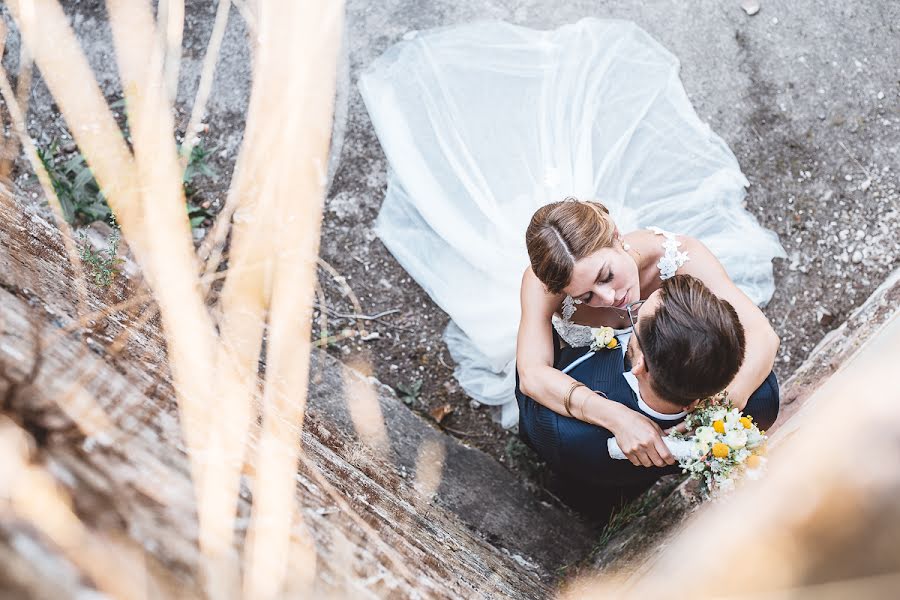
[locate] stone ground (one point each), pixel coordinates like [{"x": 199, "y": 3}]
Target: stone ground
[{"x": 806, "y": 93}]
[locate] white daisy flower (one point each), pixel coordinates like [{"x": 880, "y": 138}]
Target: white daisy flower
[
  {"x": 706, "y": 435},
  {"x": 736, "y": 439}
]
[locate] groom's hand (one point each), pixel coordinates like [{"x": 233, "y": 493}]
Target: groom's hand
[{"x": 640, "y": 439}]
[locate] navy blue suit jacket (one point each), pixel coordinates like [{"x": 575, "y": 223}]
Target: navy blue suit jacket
[{"x": 578, "y": 450}]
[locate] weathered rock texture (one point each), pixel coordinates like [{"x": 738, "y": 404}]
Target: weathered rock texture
[{"x": 477, "y": 533}]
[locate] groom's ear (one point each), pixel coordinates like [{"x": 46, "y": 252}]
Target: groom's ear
[{"x": 637, "y": 365}]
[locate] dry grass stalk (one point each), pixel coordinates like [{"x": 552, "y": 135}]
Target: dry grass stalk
[
  {"x": 86, "y": 319},
  {"x": 171, "y": 32},
  {"x": 169, "y": 263},
  {"x": 325, "y": 339},
  {"x": 430, "y": 461},
  {"x": 365, "y": 410},
  {"x": 302, "y": 95},
  {"x": 159, "y": 235},
  {"x": 5, "y": 137},
  {"x": 276, "y": 199},
  {"x": 10, "y": 147},
  {"x": 342, "y": 282},
  {"x": 206, "y": 80},
  {"x": 64, "y": 68}
]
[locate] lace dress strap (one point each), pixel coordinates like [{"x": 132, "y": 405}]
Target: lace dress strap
[
  {"x": 568, "y": 308},
  {"x": 673, "y": 258},
  {"x": 574, "y": 335}
]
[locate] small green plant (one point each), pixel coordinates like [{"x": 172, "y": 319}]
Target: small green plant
[
  {"x": 328, "y": 339},
  {"x": 409, "y": 393},
  {"x": 197, "y": 214},
  {"x": 523, "y": 460},
  {"x": 628, "y": 512},
  {"x": 102, "y": 265},
  {"x": 82, "y": 200},
  {"x": 75, "y": 186},
  {"x": 197, "y": 166},
  {"x": 514, "y": 449}
]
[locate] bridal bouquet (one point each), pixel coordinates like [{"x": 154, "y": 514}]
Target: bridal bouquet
[
  {"x": 721, "y": 446},
  {"x": 724, "y": 446}
]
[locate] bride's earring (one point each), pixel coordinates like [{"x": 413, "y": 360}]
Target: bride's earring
[
  {"x": 626, "y": 246},
  {"x": 576, "y": 301}
]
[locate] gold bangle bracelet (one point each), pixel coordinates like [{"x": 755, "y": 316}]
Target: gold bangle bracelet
[{"x": 567, "y": 400}]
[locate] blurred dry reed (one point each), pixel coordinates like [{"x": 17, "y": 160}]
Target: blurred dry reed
[{"x": 272, "y": 216}]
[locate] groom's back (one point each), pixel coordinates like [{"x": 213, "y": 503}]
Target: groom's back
[{"x": 575, "y": 448}]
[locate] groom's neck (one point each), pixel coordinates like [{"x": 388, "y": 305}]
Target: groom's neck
[{"x": 654, "y": 401}]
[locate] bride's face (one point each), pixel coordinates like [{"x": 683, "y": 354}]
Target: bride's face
[{"x": 606, "y": 278}]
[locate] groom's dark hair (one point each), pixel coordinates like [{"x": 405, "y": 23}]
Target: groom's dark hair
[{"x": 693, "y": 344}]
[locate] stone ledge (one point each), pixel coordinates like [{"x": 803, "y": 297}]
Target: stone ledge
[
  {"x": 129, "y": 476},
  {"x": 486, "y": 496}
]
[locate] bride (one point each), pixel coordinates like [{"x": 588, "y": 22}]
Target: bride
[{"x": 485, "y": 123}]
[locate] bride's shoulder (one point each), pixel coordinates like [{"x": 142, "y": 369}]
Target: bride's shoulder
[
  {"x": 533, "y": 286},
  {"x": 529, "y": 279},
  {"x": 641, "y": 236},
  {"x": 656, "y": 239},
  {"x": 663, "y": 250},
  {"x": 648, "y": 242},
  {"x": 535, "y": 295}
]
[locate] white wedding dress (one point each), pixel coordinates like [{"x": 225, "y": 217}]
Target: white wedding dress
[{"x": 485, "y": 122}]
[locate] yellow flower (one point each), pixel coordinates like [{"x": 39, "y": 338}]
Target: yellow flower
[
  {"x": 746, "y": 422},
  {"x": 720, "y": 450},
  {"x": 612, "y": 343},
  {"x": 719, "y": 426},
  {"x": 753, "y": 461}
]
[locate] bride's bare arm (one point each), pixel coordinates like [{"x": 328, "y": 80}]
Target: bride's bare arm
[
  {"x": 761, "y": 340},
  {"x": 639, "y": 438}
]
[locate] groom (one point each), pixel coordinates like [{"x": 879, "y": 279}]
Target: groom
[{"x": 694, "y": 343}]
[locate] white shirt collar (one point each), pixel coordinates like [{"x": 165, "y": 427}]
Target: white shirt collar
[{"x": 633, "y": 384}]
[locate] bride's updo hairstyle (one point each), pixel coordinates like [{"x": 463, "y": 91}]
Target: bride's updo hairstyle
[{"x": 561, "y": 233}]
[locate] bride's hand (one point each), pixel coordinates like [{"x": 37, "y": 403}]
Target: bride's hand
[
  {"x": 681, "y": 428},
  {"x": 640, "y": 439}
]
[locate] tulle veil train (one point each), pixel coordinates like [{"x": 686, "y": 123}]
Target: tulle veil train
[{"x": 483, "y": 123}]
